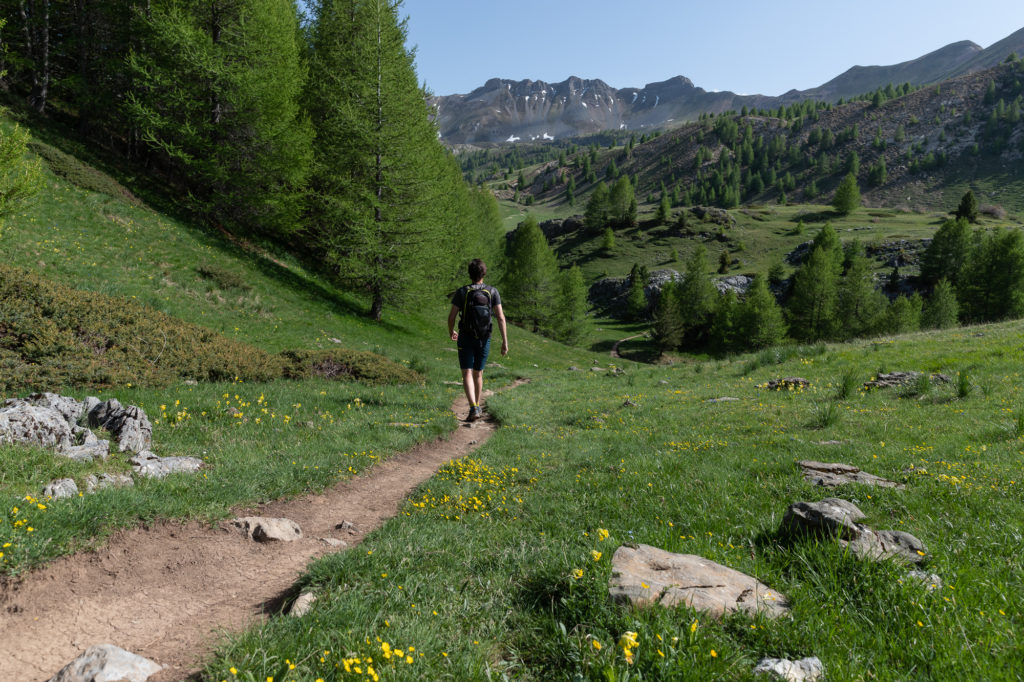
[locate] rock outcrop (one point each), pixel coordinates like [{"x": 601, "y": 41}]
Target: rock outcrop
[
  {"x": 836, "y": 518},
  {"x": 835, "y": 474},
  {"x": 107, "y": 663}
]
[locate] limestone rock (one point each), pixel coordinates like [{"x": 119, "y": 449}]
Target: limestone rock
[
  {"x": 895, "y": 379},
  {"x": 786, "y": 384},
  {"x": 645, "y": 575},
  {"x": 334, "y": 542},
  {"x": 94, "y": 483},
  {"x": 98, "y": 449},
  {"x": 835, "y": 474},
  {"x": 804, "y": 670},
  {"x": 264, "y": 529},
  {"x": 838, "y": 518},
  {"x": 68, "y": 408},
  {"x": 149, "y": 465},
  {"x": 61, "y": 488},
  {"x": 129, "y": 425},
  {"x": 302, "y": 605},
  {"x": 723, "y": 399},
  {"x": 931, "y": 581},
  {"x": 107, "y": 663},
  {"x": 22, "y": 422}
]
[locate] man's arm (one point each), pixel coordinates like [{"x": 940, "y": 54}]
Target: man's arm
[
  {"x": 500, "y": 315},
  {"x": 452, "y": 314}
]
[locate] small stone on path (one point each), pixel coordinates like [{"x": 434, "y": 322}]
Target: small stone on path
[
  {"x": 264, "y": 529},
  {"x": 645, "y": 575},
  {"x": 804, "y": 670},
  {"x": 334, "y": 542},
  {"x": 302, "y": 605},
  {"x": 835, "y": 474},
  {"x": 107, "y": 663},
  {"x": 347, "y": 526}
]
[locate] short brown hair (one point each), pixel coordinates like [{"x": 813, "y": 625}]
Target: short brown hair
[{"x": 477, "y": 269}]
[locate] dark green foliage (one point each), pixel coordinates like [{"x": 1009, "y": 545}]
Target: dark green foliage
[
  {"x": 847, "y": 196},
  {"x": 946, "y": 255},
  {"x": 904, "y": 315},
  {"x": 941, "y": 310},
  {"x": 812, "y": 307},
  {"x": 343, "y": 364},
  {"x": 530, "y": 284},
  {"x": 697, "y": 298},
  {"x": 216, "y": 94},
  {"x": 608, "y": 241},
  {"x": 664, "y": 210},
  {"x": 828, "y": 241},
  {"x": 54, "y": 336},
  {"x": 759, "y": 320},
  {"x": 622, "y": 203},
  {"x": 598, "y": 213},
  {"x": 81, "y": 174},
  {"x": 389, "y": 206},
  {"x": 860, "y": 307},
  {"x": 722, "y": 333},
  {"x": 968, "y": 208},
  {"x": 636, "y": 299},
  {"x": 878, "y": 173},
  {"x": 570, "y": 321},
  {"x": 668, "y": 324},
  {"x": 991, "y": 286},
  {"x": 723, "y": 262}
]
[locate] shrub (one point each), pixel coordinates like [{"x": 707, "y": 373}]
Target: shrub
[
  {"x": 53, "y": 336},
  {"x": 81, "y": 174},
  {"x": 340, "y": 363},
  {"x": 222, "y": 277}
]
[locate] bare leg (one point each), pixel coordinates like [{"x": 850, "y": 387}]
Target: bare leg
[
  {"x": 469, "y": 385},
  {"x": 478, "y": 386}
]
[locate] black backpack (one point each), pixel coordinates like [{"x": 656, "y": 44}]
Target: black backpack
[{"x": 476, "y": 313}]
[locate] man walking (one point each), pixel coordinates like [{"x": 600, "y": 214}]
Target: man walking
[{"x": 478, "y": 303}]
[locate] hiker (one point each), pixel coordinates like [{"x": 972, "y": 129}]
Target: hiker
[{"x": 478, "y": 303}]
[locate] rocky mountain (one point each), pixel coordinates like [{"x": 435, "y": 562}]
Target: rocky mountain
[{"x": 513, "y": 111}]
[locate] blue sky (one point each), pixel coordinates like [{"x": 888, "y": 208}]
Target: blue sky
[{"x": 747, "y": 46}]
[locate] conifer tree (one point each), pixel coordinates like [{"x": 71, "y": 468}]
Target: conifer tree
[
  {"x": 759, "y": 320},
  {"x": 812, "y": 306},
  {"x": 991, "y": 286},
  {"x": 608, "y": 241},
  {"x": 20, "y": 178},
  {"x": 664, "y": 210},
  {"x": 388, "y": 201},
  {"x": 530, "y": 284},
  {"x": 597, "y": 214},
  {"x": 722, "y": 332},
  {"x": 847, "y": 196},
  {"x": 941, "y": 311},
  {"x": 860, "y": 306},
  {"x": 904, "y": 314},
  {"x": 828, "y": 241},
  {"x": 216, "y": 93},
  {"x": 668, "y": 325},
  {"x": 570, "y": 319},
  {"x": 948, "y": 252},
  {"x": 968, "y": 208},
  {"x": 636, "y": 299},
  {"x": 697, "y": 297},
  {"x": 620, "y": 199}
]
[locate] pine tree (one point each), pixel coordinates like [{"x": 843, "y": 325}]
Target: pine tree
[
  {"x": 389, "y": 200},
  {"x": 812, "y": 306},
  {"x": 860, "y": 307},
  {"x": 941, "y": 311},
  {"x": 828, "y": 241},
  {"x": 530, "y": 284},
  {"x": 697, "y": 297},
  {"x": 723, "y": 262},
  {"x": 620, "y": 198},
  {"x": 759, "y": 320},
  {"x": 668, "y": 325},
  {"x": 968, "y": 208},
  {"x": 847, "y": 196},
  {"x": 636, "y": 299},
  {"x": 216, "y": 93},
  {"x": 991, "y": 286},
  {"x": 904, "y": 315},
  {"x": 664, "y": 210},
  {"x": 608, "y": 241},
  {"x": 570, "y": 319},
  {"x": 598, "y": 213},
  {"x": 948, "y": 252},
  {"x": 722, "y": 332}
]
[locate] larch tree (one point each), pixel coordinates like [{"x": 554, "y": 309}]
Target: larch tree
[
  {"x": 387, "y": 201},
  {"x": 847, "y": 196},
  {"x": 812, "y": 306},
  {"x": 530, "y": 285}
]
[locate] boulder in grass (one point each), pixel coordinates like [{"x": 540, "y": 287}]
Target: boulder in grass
[
  {"x": 129, "y": 425},
  {"x": 804, "y": 670},
  {"x": 107, "y": 663},
  {"x": 148, "y": 465},
  {"x": 24, "y": 423},
  {"x": 302, "y": 605},
  {"x": 61, "y": 488},
  {"x": 835, "y": 474},
  {"x": 96, "y": 483},
  {"x": 264, "y": 529},
  {"x": 645, "y": 575}
]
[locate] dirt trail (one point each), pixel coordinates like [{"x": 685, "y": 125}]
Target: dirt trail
[
  {"x": 169, "y": 592},
  {"x": 615, "y": 346}
]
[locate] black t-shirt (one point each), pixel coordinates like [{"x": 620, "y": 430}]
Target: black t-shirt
[{"x": 459, "y": 300}]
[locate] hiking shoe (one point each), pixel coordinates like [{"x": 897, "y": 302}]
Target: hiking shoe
[{"x": 474, "y": 413}]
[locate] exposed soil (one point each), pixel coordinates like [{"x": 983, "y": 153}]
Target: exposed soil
[{"x": 171, "y": 591}]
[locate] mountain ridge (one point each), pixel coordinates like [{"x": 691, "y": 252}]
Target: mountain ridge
[{"x": 507, "y": 111}]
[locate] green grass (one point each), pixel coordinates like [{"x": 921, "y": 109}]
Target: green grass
[{"x": 479, "y": 572}]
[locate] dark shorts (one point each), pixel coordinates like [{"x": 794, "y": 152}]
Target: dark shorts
[{"x": 473, "y": 353}]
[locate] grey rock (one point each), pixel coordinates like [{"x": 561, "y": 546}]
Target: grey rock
[
  {"x": 88, "y": 405},
  {"x": 95, "y": 483},
  {"x": 723, "y": 399},
  {"x": 597, "y": 369},
  {"x": 334, "y": 542},
  {"x": 107, "y": 663},
  {"x": 61, "y": 488},
  {"x": 830, "y": 517},
  {"x": 149, "y": 465},
  {"x": 786, "y": 384},
  {"x": 663, "y": 382},
  {"x": 264, "y": 529},
  {"x": 99, "y": 449},
  {"x": 69, "y": 409},
  {"x": 738, "y": 284},
  {"x": 645, "y": 575},
  {"x": 609, "y": 294},
  {"x": 348, "y": 527},
  {"x": 889, "y": 544},
  {"x": 27, "y": 424},
  {"x": 835, "y": 474},
  {"x": 574, "y": 368},
  {"x": 129, "y": 425},
  {"x": 896, "y": 379},
  {"x": 302, "y": 605},
  {"x": 712, "y": 214},
  {"x": 804, "y": 670}
]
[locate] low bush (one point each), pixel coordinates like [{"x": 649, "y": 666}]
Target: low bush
[
  {"x": 53, "y": 336},
  {"x": 81, "y": 174},
  {"x": 340, "y": 363}
]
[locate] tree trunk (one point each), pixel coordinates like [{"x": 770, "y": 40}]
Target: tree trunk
[{"x": 35, "y": 17}]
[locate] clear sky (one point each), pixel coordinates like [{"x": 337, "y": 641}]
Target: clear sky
[{"x": 747, "y": 46}]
